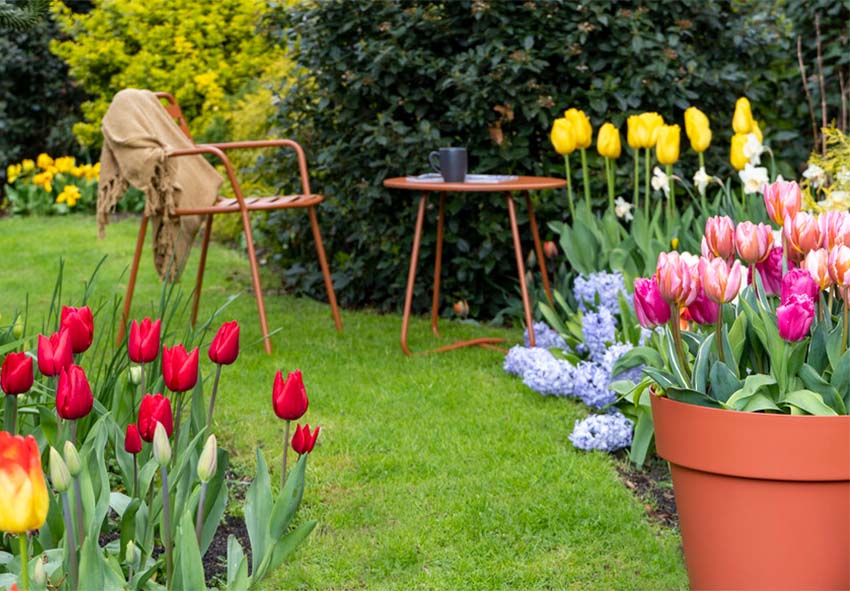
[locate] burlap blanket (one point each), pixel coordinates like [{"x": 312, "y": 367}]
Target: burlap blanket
[{"x": 137, "y": 131}]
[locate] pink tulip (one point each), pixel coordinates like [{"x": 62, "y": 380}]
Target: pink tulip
[
  {"x": 703, "y": 310},
  {"x": 817, "y": 264},
  {"x": 719, "y": 238},
  {"x": 839, "y": 265},
  {"x": 798, "y": 281},
  {"x": 834, "y": 228},
  {"x": 720, "y": 282},
  {"x": 677, "y": 277},
  {"x": 795, "y": 317},
  {"x": 753, "y": 242},
  {"x": 802, "y": 234},
  {"x": 782, "y": 199},
  {"x": 770, "y": 271},
  {"x": 650, "y": 307}
]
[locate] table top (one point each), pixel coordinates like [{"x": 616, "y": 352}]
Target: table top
[{"x": 522, "y": 183}]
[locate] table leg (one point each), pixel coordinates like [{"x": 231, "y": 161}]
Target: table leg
[
  {"x": 538, "y": 248},
  {"x": 411, "y": 275},
  {"x": 438, "y": 262},
  {"x": 526, "y": 304}
]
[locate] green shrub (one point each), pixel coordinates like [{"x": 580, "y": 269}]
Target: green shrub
[{"x": 385, "y": 82}]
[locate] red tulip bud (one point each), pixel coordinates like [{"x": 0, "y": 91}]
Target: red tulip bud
[
  {"x": 54, "y": 353},
  {"x": 550, "y": 250},
  {"x": 224, "y": 348},
  {"x": 143, "y": 343},
  {"x": 289, "y": 397},
  {"x": 303, "y": 441},
  {"x": 155, "y": 408},
  {"x": 80, "y": 325},
  {"x": 74, "y": 399},
  {"x": 179, "y": 369},
  {"x": 132, "y": 440},
  {"x": 16, "y": 375}
]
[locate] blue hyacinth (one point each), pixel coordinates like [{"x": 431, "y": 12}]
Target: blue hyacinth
[
  {"x": 550, "y": 376},
  {"x": 546, "y": 337},
  {"x": 519, "y": 358},
  {"x": 608, "y": 432},
  {"x": 591, "y": 384},
  {"x": 599, "y": 329},
  {"x": 599, "y": 290}
]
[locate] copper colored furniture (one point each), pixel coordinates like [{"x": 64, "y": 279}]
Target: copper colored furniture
[
  {"x": 523, "y": 183},
  {"x": 240, "y": 205}
]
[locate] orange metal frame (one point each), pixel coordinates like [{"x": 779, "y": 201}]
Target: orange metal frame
[
  {"x": 241, "y": 205},
  {"x": 521, "y": 184}
]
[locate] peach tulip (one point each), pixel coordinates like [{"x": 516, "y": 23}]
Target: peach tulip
[
  {"x": 753, "y": 242},
  {"x": 720, "y": 282},
  {"x": 782, "y": 200},
  {"x": 802, "y": 234},
  {"x": 677, "y": 277},
  {"x": 834, "y": 228},
  {"x": 839, "y": 265},
  {"x": 719, "y": 239},
  {"x": 817, "y": 264}
]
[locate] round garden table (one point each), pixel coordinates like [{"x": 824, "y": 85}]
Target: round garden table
[{"x": 508, "y": 187}]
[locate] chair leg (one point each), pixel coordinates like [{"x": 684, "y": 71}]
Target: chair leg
[
  {"x": 196, "y": 300},
  {"x": 255, "y": 279},
  {"x": 131, "y": 284},
  {"x": 323, "y": 263}
]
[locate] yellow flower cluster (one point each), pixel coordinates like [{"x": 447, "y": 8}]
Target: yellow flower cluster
[
  {"x": 44, "y": 175},
  {"x": 69, "y": 195}
]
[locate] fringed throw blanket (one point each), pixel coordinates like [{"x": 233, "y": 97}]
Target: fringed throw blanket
[{"x": 137, "y": 132}]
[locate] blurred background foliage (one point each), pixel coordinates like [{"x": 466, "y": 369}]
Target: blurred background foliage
[{"x": 370, "y": 88}]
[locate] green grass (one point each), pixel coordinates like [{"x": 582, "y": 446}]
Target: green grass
[{"x": 433, "y": 472}]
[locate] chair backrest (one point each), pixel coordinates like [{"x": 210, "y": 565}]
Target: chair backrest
[{"x": 171, "y": 105}]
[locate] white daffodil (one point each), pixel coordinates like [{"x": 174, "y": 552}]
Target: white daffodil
[
  {"x": 753, "y": 149},
  {"x": 754, "y": 178},
  {"x": 701, "y": 180},
  {"x": 623, "y": 209},
  {"x": 660, "y": 181},
  {"x": 815, "y": 174}
]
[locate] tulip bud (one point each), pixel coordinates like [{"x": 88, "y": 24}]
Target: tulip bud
[
  {"x": 303, "y": 441},
  {"x": 132, "y": 440},
  {"x": 742, "y": 121},
  {"x": 72, "y": 459},
  {"x": 581, "y": 126},
  {"x": 650, "y": 307},
  {"x": 608, "y": 142},
  {"x": 39, "y": 577},
  {"x": 667, "y": 144},
  {"x": 130, "y": 554},
  {"x": 208, "y": 462},
  {"x": 563, "y": 137},
  {"x": 550, "y": 250},
  {"x": 59, "y": 474},
  {"x": 18, "y": 329},
  {"x": 736, "y": 153},
  {"x": 161, "y": 446},
  {"x": 134, "y": 375}
]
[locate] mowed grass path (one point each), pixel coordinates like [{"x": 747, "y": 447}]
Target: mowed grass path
[{"x": 433, "y": 472}]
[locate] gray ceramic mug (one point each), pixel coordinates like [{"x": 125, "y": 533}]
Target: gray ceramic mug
[{"x": 449, "y": 162}]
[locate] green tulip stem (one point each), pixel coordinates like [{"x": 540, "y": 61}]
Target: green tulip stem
[
  {"x": 144, "y": 385},
  {"x": 199, "y": 522},
  {"x": 676, "y": 330},
  {"x": 13, "y": 414},
  {"x": 135, "y": 475},
  {"x": 78, "y": 503},
  {"x": 166, "y": 533},
  {"x": 178, "y": 412},
  {"x": 212, "y": 396},
  {"x": 569, "y": 187},
  {"x": 637, "y": 178},
  {"x": 585, "y": 178},
  {"x": 69, "y": 539},
  {"x": 285, "y": 453},
  {"x": 743, "y": 198},
  {"x": 25, "y": 568},
  {"x": 646, "y": 184},
  {"x": 609, "y": 166},
  {"x": 672, "y": 197},
  {"x": 701, "y": 159},
  {"x": 719, "y": 332}
]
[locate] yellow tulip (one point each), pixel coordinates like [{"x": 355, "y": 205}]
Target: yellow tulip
[
  {"x": 13, "y": 171},
  {"x": 637, "y": 134},
  {"x": 64, "y": 164},
  {"x": 742, "y": 122},
  {"x": 667, "y": 144},
  {"x": 698, "y": 129},
  {"x": 608, "y": 141},
  {"x": 736, "y": 154},
  {"x": 44, "y": 161},
  {"x": 653, "y": 122},
  {"x": 755, "y": 129},
  {"x": 581, "y": 127},
  {"x": 22, "y": 486},
  {"x": 562, "y": 136}
]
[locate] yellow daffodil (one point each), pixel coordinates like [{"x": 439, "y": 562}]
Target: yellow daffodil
[
  {"x": 562, "y": 136},
  {"x": 581, "y": 127},
  {"x": 608, "y": 141},
  {"x": 698, "y": 129},
  {"x": 742, "y": 121},
  {"x": 667, "y": 144}
]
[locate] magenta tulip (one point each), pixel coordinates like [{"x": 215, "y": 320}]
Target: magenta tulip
[
  {"x": 798, "y": 281},
  {"x": 795, "y": 317},
  {"x": 770, "y": 271},
  {"x": 703, "y": 310},
  {"x": 782, "y": 200},
  {"x": 650, "y": 307}
]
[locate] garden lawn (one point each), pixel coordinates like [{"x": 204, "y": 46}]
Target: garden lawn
[{"x": 431, "y": 472}]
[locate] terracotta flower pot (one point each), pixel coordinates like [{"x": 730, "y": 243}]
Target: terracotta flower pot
[{"x": 763, "y": 500}]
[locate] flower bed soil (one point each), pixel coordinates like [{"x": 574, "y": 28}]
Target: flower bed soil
[{"x": 653, "y": 486}]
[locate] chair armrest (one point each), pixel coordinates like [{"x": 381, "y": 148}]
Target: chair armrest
[
  {"x": 218, "y": 153},
  {"x": 299, "y": 151}
]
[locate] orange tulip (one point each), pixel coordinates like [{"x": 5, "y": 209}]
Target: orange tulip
[{"x": 23, "y": 493}]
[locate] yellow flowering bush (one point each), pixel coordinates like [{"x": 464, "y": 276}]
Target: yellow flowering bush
[
  {"x": 51, "y": 186},
  {"x": 826, "y": 181}
]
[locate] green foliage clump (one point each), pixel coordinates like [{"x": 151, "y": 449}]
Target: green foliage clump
[
  {"x": 385, "y": 82},
  {"x": 204, "y": 53}
]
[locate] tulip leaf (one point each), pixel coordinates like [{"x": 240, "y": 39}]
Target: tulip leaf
[
  {"x": 737, "y": 338},
  {"x": 813, "y": 381},
  {"x": 288, "y": 500},
  {"x": 678, "y": 372},
  {"x": 285, "y": 547},
  {"x": 660, "y": 377},
  {"x": 188, "y": 567},
  {"x": 817, "y": 356},
  {"x": 197, "y": 412},
  {"x": 761, "y": 384},
  {"x": 237, "y": 566},
  {"x": 833, "y": 346},
  {"x": 808, "y": 401},
  {"x": 723, "y": 381},
  {"x": 636, "y": 357},
  {"x": 128, "y": 524},
  {"x": 691, "y": 397},
  {"x": 47, "y": 422},
  {"x": 552, "y": 318},
  {"x": 642, "y": 438},
  {"x": 699, "y": 379},
  {"x": 258, "y": 508}
]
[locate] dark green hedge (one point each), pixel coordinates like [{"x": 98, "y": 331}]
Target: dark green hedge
[{"x": 384, "y": 82}]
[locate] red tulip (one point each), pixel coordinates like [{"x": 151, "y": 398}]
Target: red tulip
[
  {"x": 650, "y": 307},
  {"x": 794, "y": 319},
  {"x": 143, "y": 343},
  {"x": 55, "y": 352},
  {"x": 155, "y": 408},
  {"x": 74, "y": 399},
  {"x": 289, "y": 397},
  {"x": 16, "y": 375},
  {"x": 132, "y": 441},
  {"x": 303, "y": 441},
  {"x": 179, "y": 369},
  {"x": 80, "y": 325},
  {"x": 224, "y": 348}
]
